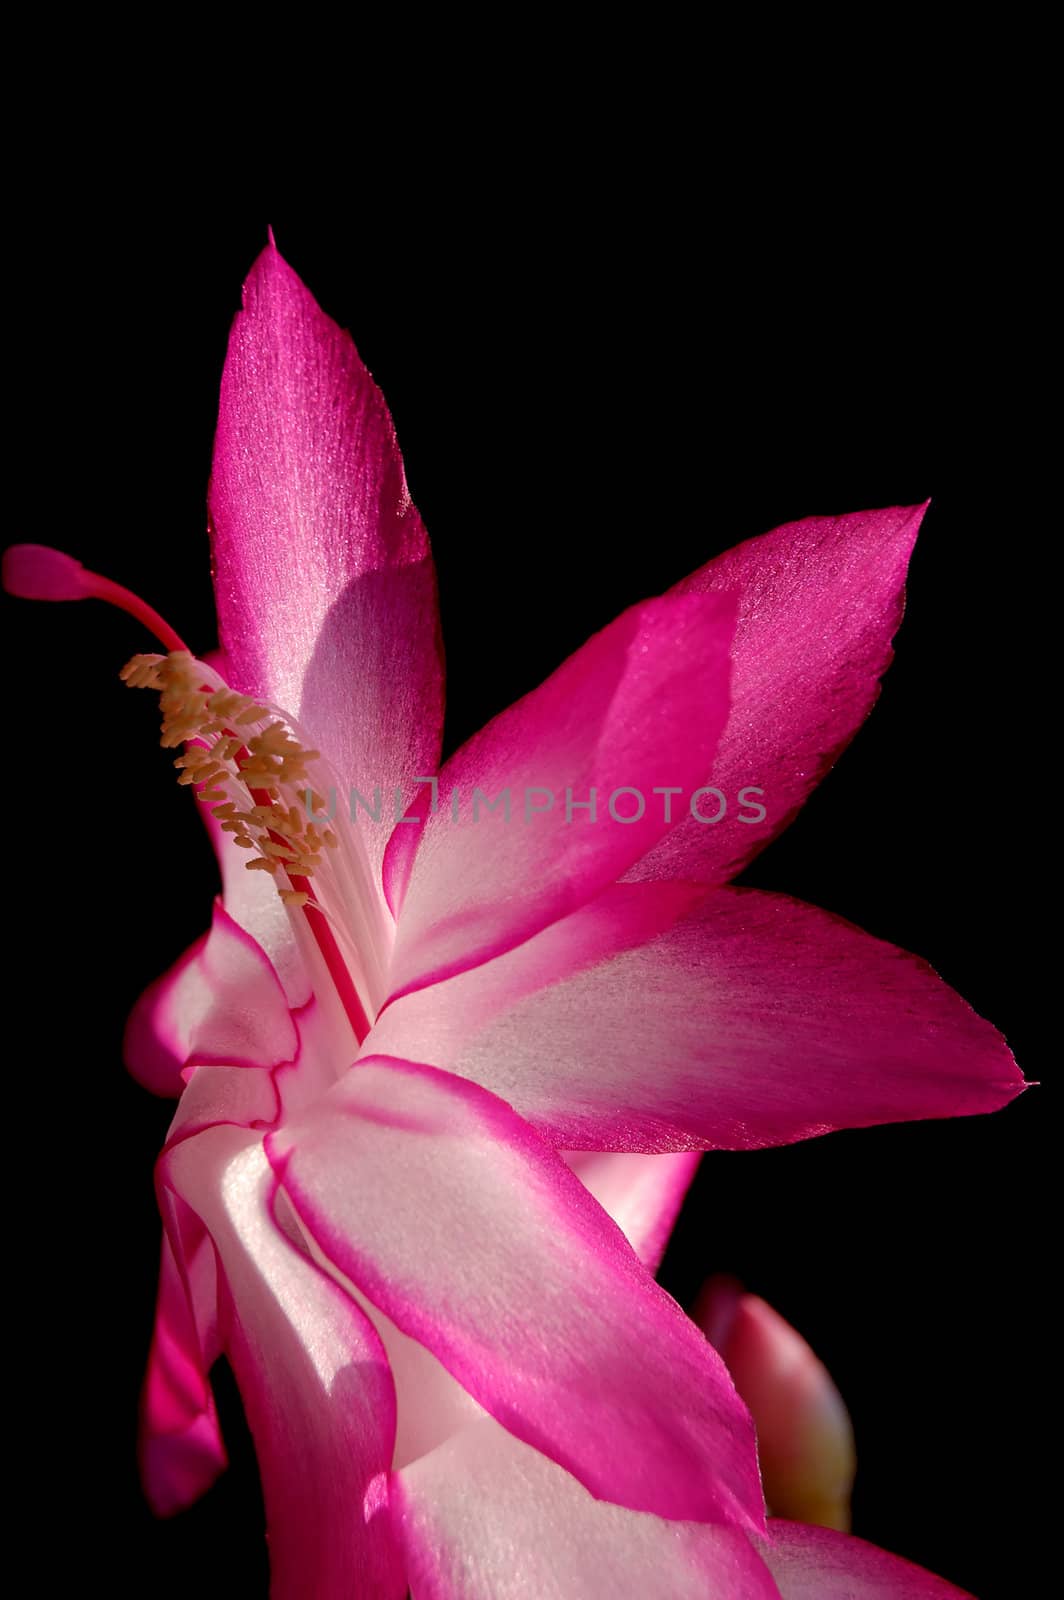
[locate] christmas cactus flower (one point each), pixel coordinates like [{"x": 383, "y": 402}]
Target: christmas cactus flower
[{"x": 448, "y": 1054}]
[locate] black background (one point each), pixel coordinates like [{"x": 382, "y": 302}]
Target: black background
[{"x": 592, "y": 398}]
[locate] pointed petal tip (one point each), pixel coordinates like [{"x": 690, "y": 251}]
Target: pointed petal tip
[
  {"x": 269, "y": 272},
  {"x": 1017, "y": 1085},
  {"x": 37, "y": 572},
  {"x": 917, "y": 512},
  {"x": 902, "y": 522}
]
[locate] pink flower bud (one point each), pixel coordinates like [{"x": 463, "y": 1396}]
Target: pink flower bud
[{"x": 804, "y": 1433}]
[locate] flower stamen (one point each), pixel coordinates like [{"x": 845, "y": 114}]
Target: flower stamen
[
  {"x": 247, "y": 765},
  {"x": 229, "y": 772},
  {"x": 248, "y": 783}
]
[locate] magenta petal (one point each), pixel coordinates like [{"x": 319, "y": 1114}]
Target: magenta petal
[
  {"x": 819, "y": 602},
  {"x": 640, "y": 706},
  {"x": 755, "y": 1020},
  {"x": 181, "y": 1450},
  {"x": 819, "y": 1564},
  {"x": 438, "y": 1023},
  {"x": 312, "y": 1376},
  {"x": 241, "y": 1097},
  {"x": 221, "y": 1002},
  {"x": 483, "y": 1517},
  {"x": 643, "y": 1194},
  {"x": 550, "y": 1322},
  {"x": 324, "y": 582}
]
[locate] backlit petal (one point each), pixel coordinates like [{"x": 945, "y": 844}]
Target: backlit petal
[
  {"x": 323, "y": 577},
  {"x": 476, "y": 1240}
]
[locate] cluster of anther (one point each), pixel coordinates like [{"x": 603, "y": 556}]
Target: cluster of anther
[{"x": 245, "y": 779}]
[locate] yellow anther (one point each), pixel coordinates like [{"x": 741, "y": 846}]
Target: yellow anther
[
  {"x": 241, "y": 781},
  {"x": 143, "y": 672},
  {"x": 279, "y": 850},
  {"x": 264, "y": 743}
]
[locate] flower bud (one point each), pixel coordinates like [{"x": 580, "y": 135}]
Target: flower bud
[{"x": 804, "y": 1434}]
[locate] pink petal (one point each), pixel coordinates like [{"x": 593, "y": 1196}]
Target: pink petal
[
  {"x": 324, "y": 581},
  {"x": 257, "y": 1097},
  {"x": 240, "y": 1097},
  {"x": 325, "y": 1050},
  {"x": 431, "y": 1406},
  {"x": 804, "y": 1434},
  {"x": 643, "y": 1194},
  {"x": 312, "y": 1375},
  {"x": 479, "y": 1242},
  {"x": 485, "y": 1517},
  {"x": 755, "y": 1020},
  {"x": 640, "y": 706},
  {"x": 181, "y": 1450},
  {"x": 436, "y": 1023},
  {"x": 820, "y": 601},
  {"x": 220, "y": 1003},
  {"x": 819, "y": 1564}
]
